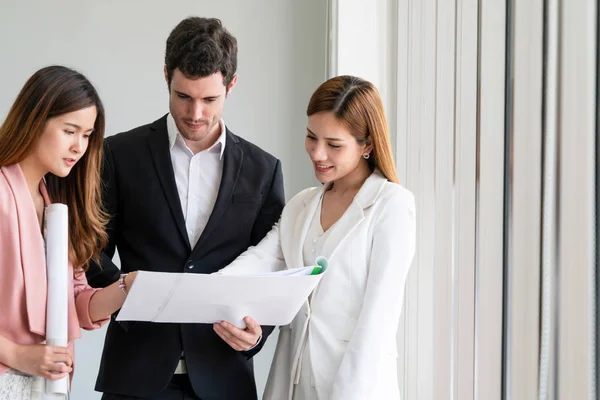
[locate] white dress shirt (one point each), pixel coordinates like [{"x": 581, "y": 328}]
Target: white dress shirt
[{"x": 198, "y": 177}]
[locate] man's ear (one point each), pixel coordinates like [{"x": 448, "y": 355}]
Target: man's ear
[
  {"x": 232, "y": 84},
  {"x": 166, "y": 76}
]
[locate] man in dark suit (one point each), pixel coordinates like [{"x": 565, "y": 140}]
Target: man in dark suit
[{"x": 185, "y": 195}]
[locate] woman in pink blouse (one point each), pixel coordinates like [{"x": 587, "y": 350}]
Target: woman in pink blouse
[{"x": 50, "y": 150}]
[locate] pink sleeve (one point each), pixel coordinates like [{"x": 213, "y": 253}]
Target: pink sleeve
[{"x": 83, "y": 293}]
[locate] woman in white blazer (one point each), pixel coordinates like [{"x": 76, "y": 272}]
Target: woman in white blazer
[{"x": 342, "y": 343}]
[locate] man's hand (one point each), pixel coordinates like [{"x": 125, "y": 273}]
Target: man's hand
[{"x": 239, "y": 339}]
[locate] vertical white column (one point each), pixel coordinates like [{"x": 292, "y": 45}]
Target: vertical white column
[
  {"x": 524, "y": 201},
  {"x": 490, "y": 200},
  {"x": 576, "y": 258}
]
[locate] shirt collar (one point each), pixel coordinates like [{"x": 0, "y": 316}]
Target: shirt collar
[{"x": 173, "y": 133}]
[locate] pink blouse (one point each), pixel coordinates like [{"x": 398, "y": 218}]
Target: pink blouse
[{"x": 23, "y": 269}]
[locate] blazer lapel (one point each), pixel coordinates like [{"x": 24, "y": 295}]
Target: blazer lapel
[
  {"x": 365, "y": 198},
  {"x": 342, "y": 228},
  {"x": 159, "y": 149},
  {"x": 233, "y": 157},
  {"x": 300, "y": 230},
  {"x": 33, "y": 258}
]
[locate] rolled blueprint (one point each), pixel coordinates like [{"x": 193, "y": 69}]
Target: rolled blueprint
[{"x": 57, "y": 269}]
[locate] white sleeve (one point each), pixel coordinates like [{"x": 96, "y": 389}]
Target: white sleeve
[
  {"x": 266, "y": 256},
  {"x": 393, "y": 247}
]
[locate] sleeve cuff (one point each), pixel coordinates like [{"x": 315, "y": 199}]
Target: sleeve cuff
[
  {"x": 255, "y": 344},
  {"x": 82, "y": 304}
]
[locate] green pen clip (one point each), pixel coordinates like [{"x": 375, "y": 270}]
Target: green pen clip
[{"x": 322, "y": 264}]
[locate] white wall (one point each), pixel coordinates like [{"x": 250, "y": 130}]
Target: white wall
[
  {"x": 120, "y": 47},
  {"x": 364, "y": 44}
]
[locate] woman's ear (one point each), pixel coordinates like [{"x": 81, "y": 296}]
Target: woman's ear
[{"x": 368, "y": 146}]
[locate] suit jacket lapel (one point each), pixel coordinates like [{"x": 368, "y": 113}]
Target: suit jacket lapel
[
  {"x": 159, "y": 148},
  {"x": 233, "y": 158}
]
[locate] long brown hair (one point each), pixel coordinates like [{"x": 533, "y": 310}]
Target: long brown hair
[
  {"x": 50, "y": 92},
  {"x": 357, "y": 104}
]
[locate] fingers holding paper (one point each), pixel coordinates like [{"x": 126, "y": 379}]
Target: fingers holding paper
[{"x": 239, "y": 339}]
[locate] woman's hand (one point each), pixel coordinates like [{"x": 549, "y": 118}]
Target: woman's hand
[
  {"x": 129, "y": 280},
  {"x": 50, "y": 362},
  {"x": 111, "y": 298}
]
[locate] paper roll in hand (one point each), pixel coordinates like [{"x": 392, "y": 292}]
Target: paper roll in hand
[{"x": 56, "y": 234}]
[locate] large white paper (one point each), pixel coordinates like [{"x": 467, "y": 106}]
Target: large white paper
[
  {"x": 270, "y": 299},
  {"x": 57, "y": 270}
]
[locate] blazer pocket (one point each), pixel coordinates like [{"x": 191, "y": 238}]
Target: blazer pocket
[
  {"x": 125, "y": 325},
  {"x": 247, "y": 198}
]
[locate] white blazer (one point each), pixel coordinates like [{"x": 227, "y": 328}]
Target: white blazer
[{"x": 354, "y": 313}]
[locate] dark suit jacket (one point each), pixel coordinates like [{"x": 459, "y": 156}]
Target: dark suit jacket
[{"x": 148, "y": 229}]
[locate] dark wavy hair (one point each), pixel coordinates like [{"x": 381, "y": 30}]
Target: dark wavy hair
[{"x": 200, "y": 47}]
